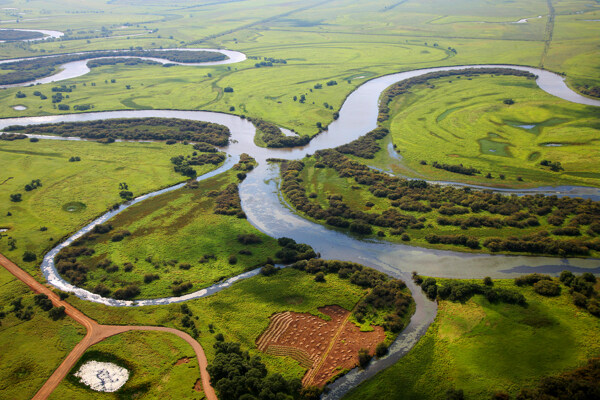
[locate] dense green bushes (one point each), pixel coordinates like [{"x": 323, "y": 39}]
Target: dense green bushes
[
  {"x": 134, "y": 129},
  {"x": 449, "y": 206},
  {"x": 387, "y": 297},
  {"x": 33, "y": 68},
  {"x": 273, "y": 137},
  {"x": 366, "y": 146}
]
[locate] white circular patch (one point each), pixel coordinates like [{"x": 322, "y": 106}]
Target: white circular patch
[{"x": 102, "y": 376}]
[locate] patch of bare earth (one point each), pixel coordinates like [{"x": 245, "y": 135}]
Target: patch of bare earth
[
  {"x": 183, "y": 360},
  {"x": 325, "y": 348}
]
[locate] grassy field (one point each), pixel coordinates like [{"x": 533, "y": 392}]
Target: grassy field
[
  {"x": 176, "y": 228},
  {"x": 73, "y": 193},
  {"x": 483, "y": 348},
  {"x": 465, "y": 121},
  {"x": 151, "y": 359},
  {"x": 31, "y": 349},
  {"x": 320, "y": 42},
  {"x": 325, "y": 182},
  {"x": 241, "y": 313}
]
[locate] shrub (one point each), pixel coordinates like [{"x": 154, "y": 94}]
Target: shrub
[
  {"x": 320, "y": 277},
  {"x": 57, "y": 313},
  {"x": 15, "y": 197},
  {"x": 381, "y": 350},
  {"x": 363, "y": 358},
  {"x": 547, "y": 288},
  {"x": 29, "y": 256},
  {"x": 268, "y": 270},
  {"x": 232, "y": 259},
  {"x": 487, "y": 281}
]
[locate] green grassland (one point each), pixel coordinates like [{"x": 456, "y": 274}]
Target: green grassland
[
  {"x": 320, "y": 42},
  {"x": 325, "y": 182},
  {"x": 464, "y": 121},
  {"x": 241, "y": 313},
  {"x": 176, "y": 228},
  {"x": 150, "y": 358},
  {"x": 483, "y": 348},
  {"x": 31, "y": 349},
  {"x": 91, "y": 184}
]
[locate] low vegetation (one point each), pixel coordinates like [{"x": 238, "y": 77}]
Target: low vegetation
[
  {"x": 332, "y": 189},
  {"x": 134, "y": 129}
]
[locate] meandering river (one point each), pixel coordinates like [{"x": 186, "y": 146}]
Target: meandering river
[{"x": 267, "y": 211}]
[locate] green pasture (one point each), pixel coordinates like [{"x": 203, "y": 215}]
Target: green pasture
[
  {"x": 465, "y": 121},
  {"x": 73, "y": 193},
  {"x": 483, "y": 348},
  {"x": 31, "y": 349},
  {"x": 150, "y": 358},
  {"x": 241, "y": 313},
  {"x": 176, "y": 228}
]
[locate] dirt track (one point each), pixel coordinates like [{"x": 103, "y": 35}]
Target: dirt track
[{"x": 96, "y": 333}]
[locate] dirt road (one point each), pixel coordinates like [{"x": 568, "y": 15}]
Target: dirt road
[{"x": 96, "y": 333}]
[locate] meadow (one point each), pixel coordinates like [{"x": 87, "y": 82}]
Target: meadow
[
  {"x": 466, "y": 121},
  {"x": 484, "y": 348},
  {"x": 176, "y": 237},
  {"x": 241, "y": 313},
  {"x": 73, "y": 193},
  {"x": 31, "y": 348},
  {"x": 160, "y": 365}
]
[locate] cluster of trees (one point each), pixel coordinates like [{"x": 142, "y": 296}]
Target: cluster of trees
[
  {"x": 292, "y": 251},
  {"x": 188, "y": 320},
  {"x": 9, "y": 35},
  {"x": 99, "y": 62},
  {"x": 184, "y": 165},
  {"x": 457, "y": 240},
  {"x": 237, "y": 375},
  {"x": 457, "y": 169},
  {"x": 542, "y": 284},
  {"x": 453, "y": 207},
  {"x": 582, "y": 288},
  {"x": 582, "y": 383},
  {"x": 387, "y": 296},
  {"x": 12, "y": 136},
  {"x": 34, "y": 184},
  {"x": 33, "y": 68},
  {"x": 592, "y": 91},
  {"x": 366, "y": 146},
  {"x": 554, "y": 166},
  {"x": 404, "y": 86},
  {"x": 227, "y": 201},
  {"x": 460, "y": 291},
  {"x": 135, "y": 129},
  {"x": 273, "y": 137},
  {"x": 269, "y": 62}
]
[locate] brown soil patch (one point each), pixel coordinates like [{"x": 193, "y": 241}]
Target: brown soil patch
[
  {"x": 183, "y": 360},
  {"x": 198, "y": 385},
  {"x": 323, "y": 347},
  {"x": 453, "y": 155}
]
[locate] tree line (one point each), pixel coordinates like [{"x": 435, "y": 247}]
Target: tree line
[
  {"x": 365, "y": 146},
  {"x": 134, "y": 129},
  {"x": 274, "y": 138},
  {"x": 10, "y": 35},
  {"x": 33, "y": 68}
]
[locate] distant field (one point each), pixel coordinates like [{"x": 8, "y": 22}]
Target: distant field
[
  {"x": 465, "y": 121},
  {"x": 73, "y": 193},
  {"x": 160, "y": 365},
  {"x": 31, "y": 348},
  {"x": 483, "y": 348}
]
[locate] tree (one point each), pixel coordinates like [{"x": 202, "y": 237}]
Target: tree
[
  {"x": 381, "y": 350},
  {"x": 228, "y": 89},
  {"x": 15, "y": 197},
  {"x": 57, "y": 313},
  {"x": 29, "y": 256},
  {"x": 320, "y": 277},
  {"x": 364, "y": 357}
]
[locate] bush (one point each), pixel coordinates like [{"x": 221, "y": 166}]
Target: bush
[
  {"x": 364, "y": 358},
  {"x": 29, "y": 256},
  {"x": 15, "y": 197},
  {"x": 547, "y": 288},
  {"x": 381, "y": 350},
  {"x": 487, "y": 281},
  {"x": 232, "y": 259},
  {"x": 320, "y": 277},
  {"x": 268, "y": 270},
  {"x": 57, "y": 313}
]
